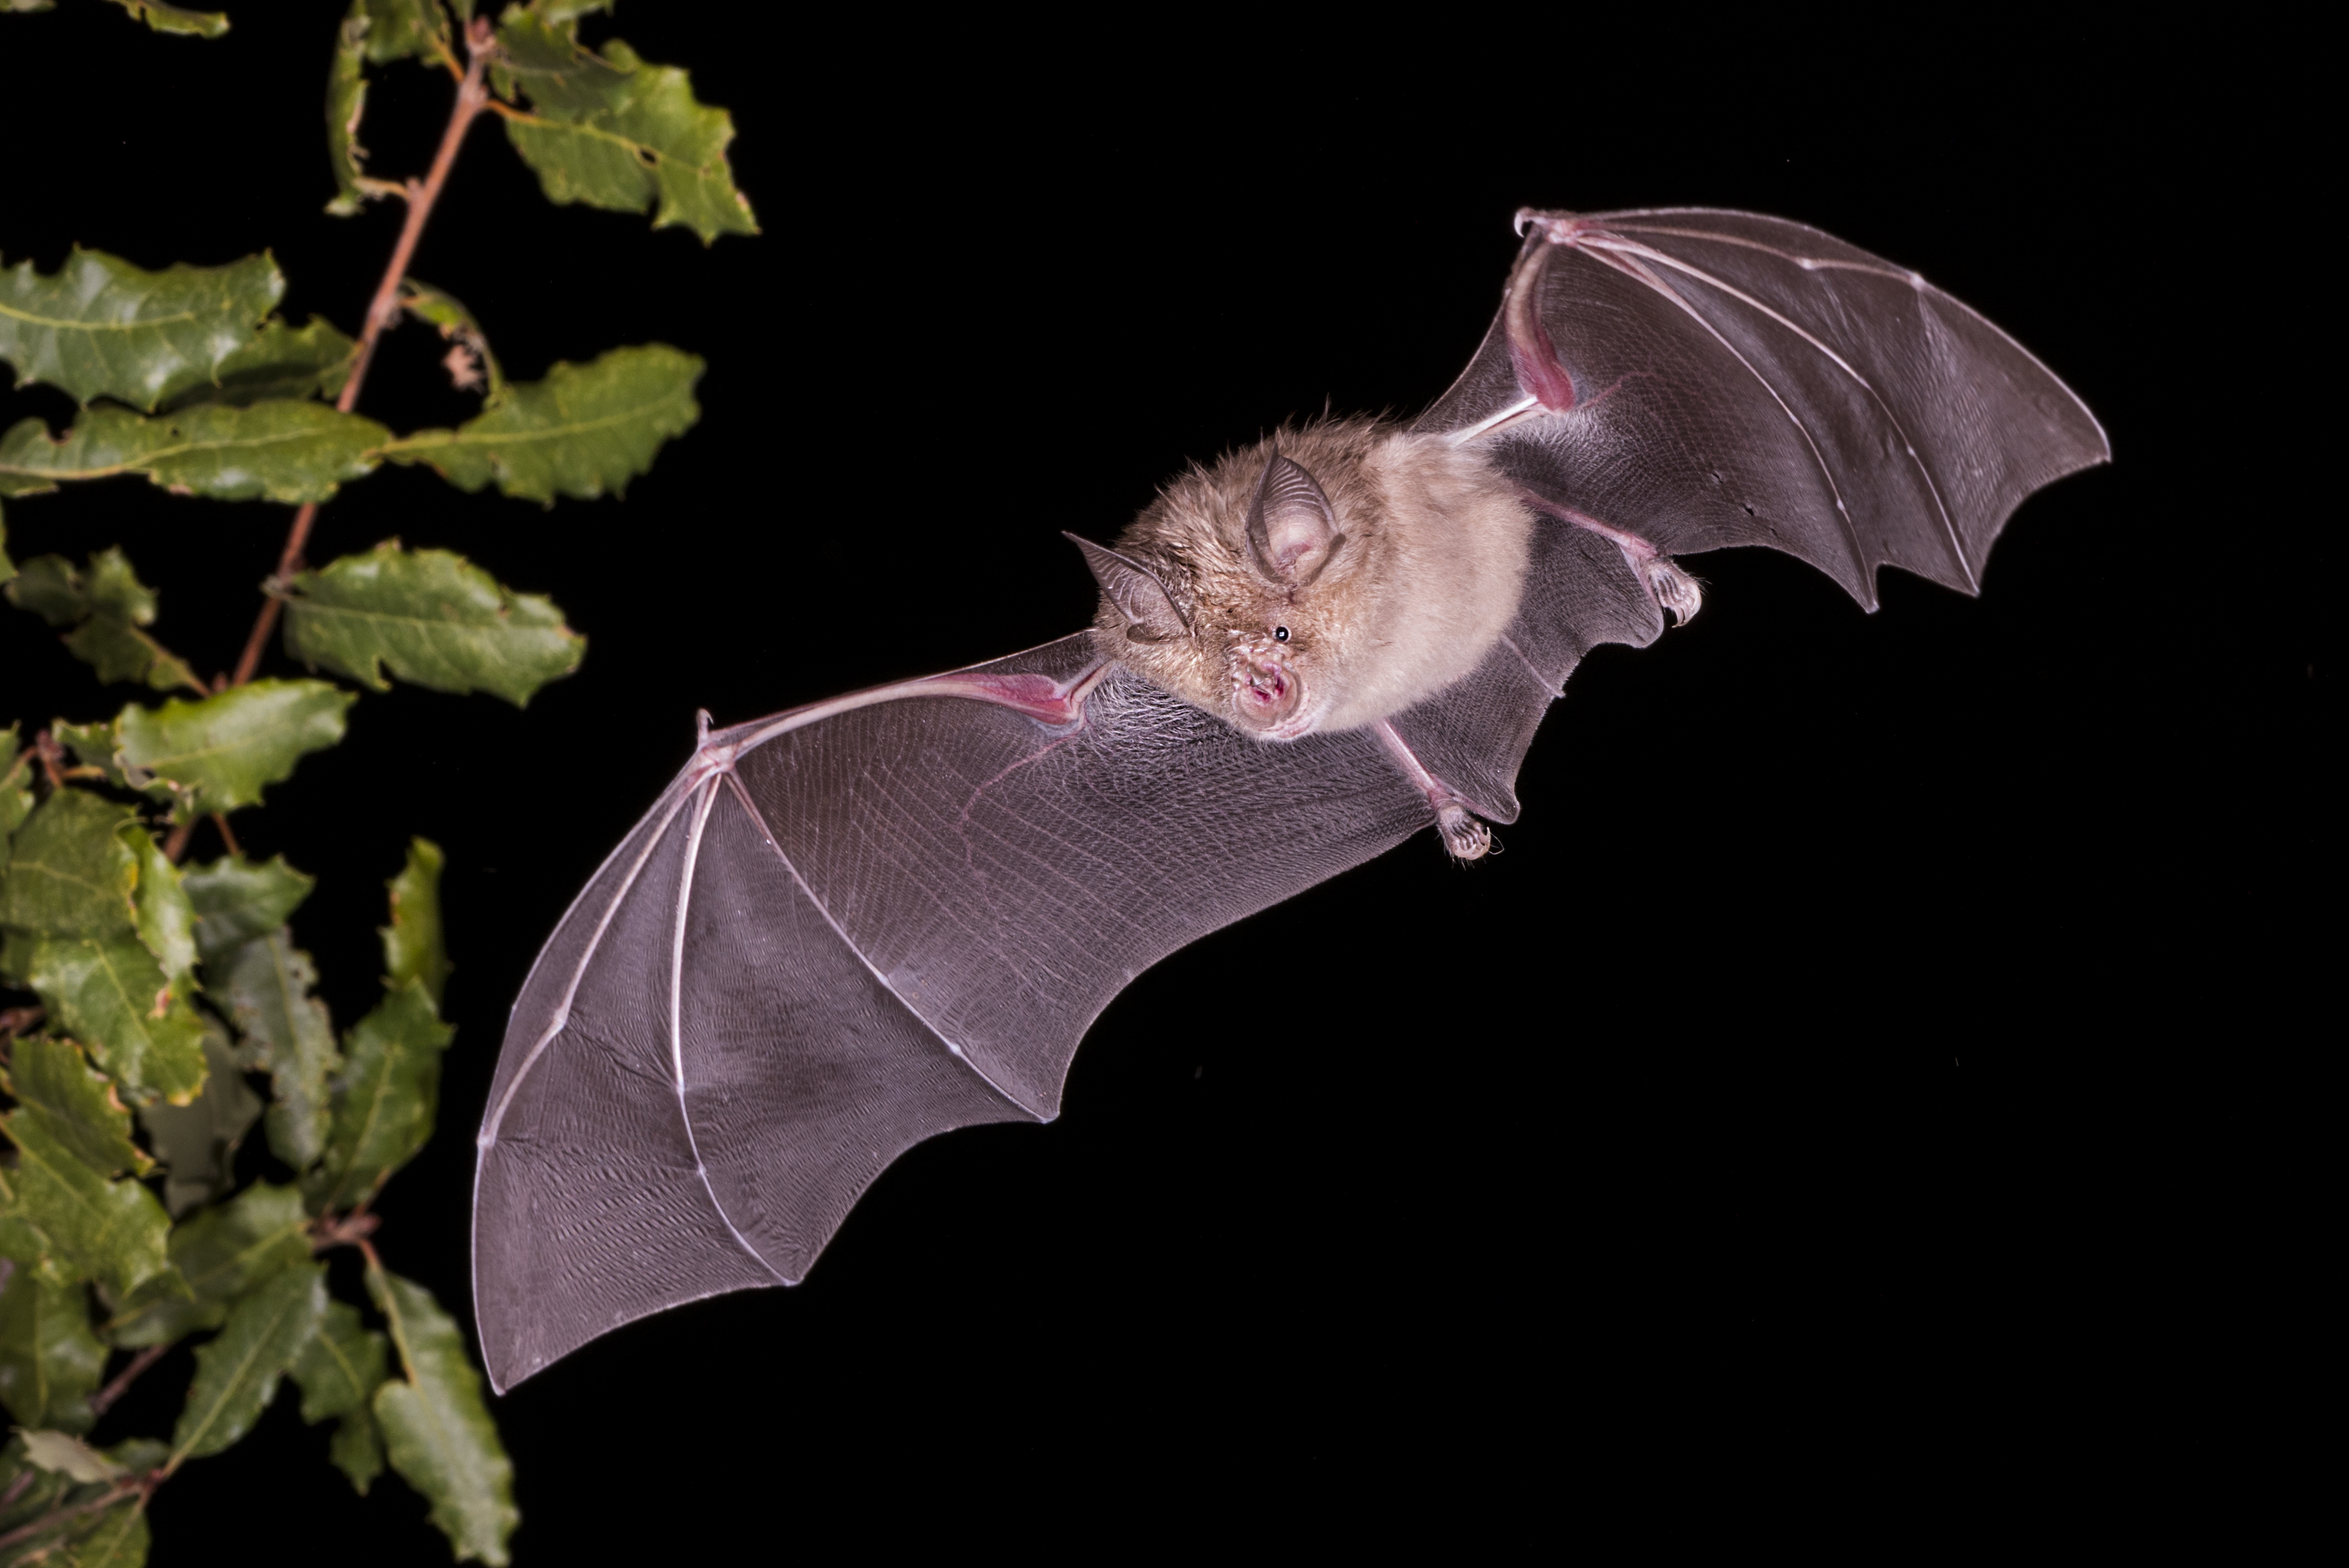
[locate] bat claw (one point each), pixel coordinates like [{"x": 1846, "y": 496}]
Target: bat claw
[
  {"x": 1464, "y": 835},
  {"x": 1674, "y": 589}
]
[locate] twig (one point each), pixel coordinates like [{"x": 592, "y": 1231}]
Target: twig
[
  {"x": 15, "y": 1021},
  {"x": 101, "y": 1401},
  {"x": 351, "y": 1229},
  {"x": 219, "y": 821},
  {"x": 56, "y": 1518},
  {"x": 16, "y": 1488},
  {"x": 471, "y": 94},
  {"x": 46, "y": 748},
  {"x": 176, "y": 844}
]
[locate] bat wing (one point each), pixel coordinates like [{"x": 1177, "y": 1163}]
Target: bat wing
[
  {"x": 839, "y": 933},
  {"x": 849, "y": 928},
  {"x": 1728, "y": 378},
  {"x": 1686, "y": 379}
]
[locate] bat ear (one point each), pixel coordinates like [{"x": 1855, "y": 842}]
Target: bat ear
[
  {"x": 1292, "y": 529},
  {"x": 1136, "y": 590}
]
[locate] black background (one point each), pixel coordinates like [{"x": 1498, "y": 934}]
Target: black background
[{"x": 1791, "y": 1097}]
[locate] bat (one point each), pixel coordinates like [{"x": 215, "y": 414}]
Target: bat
[{"x": 846, "y": 928}]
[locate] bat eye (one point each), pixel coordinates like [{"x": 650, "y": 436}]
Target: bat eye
[{"x": 1281, "y": 633}]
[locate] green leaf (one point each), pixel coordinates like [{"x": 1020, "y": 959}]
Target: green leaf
[
  {"x": 470, "y": 364},
  {"x": 357, "y": 1450},
  {"x": 216, "y": 1257},
  {"x": 50, "y": 1362},
  {"x": 237, "y": 900},
  {"x": 401, "y": 29},
  {"x": 116, "y": 604},
  {"x": 114, "y": 1537},
  {"x": 437, "y": 620},
  {"x": 584, "y": 429},
  {"x": 413, "y": 948},
  {"x": 112, "y": 994},
  {"x": 288, "y": 1036},
  {"x": 339, "y": 1371},
  {"x": 437, "y": 1428},
  {"x": 283, "y": 449},
  {"x": 281, "y": 361},
  {"x": 16, "y": 791},
  {"x": 237, "y": 1372},
  {"x": 612, "y": 131},
  {"x": 166, "y": 921},
  {"x": 101, "y": 327},
  {"x": 112, "y": 1232},
  {"x": 51, "y": 1080},
  {"x": 385, "y": 1098},
  {"x": 96, "y": 746},
  {"x": 196, "y": 1143},
  {"x": 22, "y": 1244},
  {"x": 68, "y": 873},
  {"x": 61, "y": 1453},
  {"x": 346, "y": 88},
  {"x": 219, "y": 753},
  {"x": 165, "y": 18},
  {"x": 341, "y": 1367}
]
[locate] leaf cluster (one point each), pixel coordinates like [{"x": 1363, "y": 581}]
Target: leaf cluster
[{"x": 166, "y": 1010}]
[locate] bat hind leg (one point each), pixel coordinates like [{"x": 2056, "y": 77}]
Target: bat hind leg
[
  {"x": 1464, "y": 835},
  {"x": 1673, "y": 589}
]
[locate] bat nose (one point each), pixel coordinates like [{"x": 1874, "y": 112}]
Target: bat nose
[{"x": 1264, "y": 692}]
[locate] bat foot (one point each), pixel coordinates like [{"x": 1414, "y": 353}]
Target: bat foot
[
  {"x": 1674, "y": 589},
  {"x": 1466, "y": 838}
]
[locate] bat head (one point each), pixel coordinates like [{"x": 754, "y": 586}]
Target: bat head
[
  {"x": 1321, "y": 580},
  {"x": 1232, "y": 590}
]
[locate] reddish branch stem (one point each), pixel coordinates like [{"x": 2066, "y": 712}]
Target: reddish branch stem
[
  {"x": 471, "y": 94},
  {"x": 101, "y": 1401}
]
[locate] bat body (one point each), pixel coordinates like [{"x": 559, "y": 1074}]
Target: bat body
[{"x": 846, "y": 928}]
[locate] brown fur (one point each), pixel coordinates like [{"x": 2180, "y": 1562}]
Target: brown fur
[{"x": 1429, "y": 575}]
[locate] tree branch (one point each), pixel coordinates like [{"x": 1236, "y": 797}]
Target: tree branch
[
  {"x": 144, "y": 1485},
  {"x": 101, "y": 1401},
  {"x": 471, "y": 94}
]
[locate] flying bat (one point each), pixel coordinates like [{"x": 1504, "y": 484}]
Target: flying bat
[{"x": 844, "y": 929}]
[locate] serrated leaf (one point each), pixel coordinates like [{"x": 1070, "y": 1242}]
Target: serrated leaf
[
  {"x": 166, "y": 920},
  {"x": 49, "y": 587},
  {"x": 434, "y": 618},
  {"x": 68, "y": 873},
  {"x": 412, "y": 944},
  {"x": 165, "y": 18},
  {"x": 282, "y": 449},
  {"x": 216, "y": 1257},
  {"x": 98, "y": 746},
  {"x": 112, "y": 1232},
  {"x": 288, "y": 1036},
  {"x": 281, "y": 361},
  {"x": 436, "y": 1427},
  {"x": 50, "y": 1361},
  {"x": 101, "y": 327},
  {"x": 196, "y": 1143},
  {"x": 357, "y": 1450},
  {"x": 110, "y": 993},
  {"x": 62, "y": 1453},
  {"x": 220, "y": 752},
  {"x": 615, "y": 132},
  {"x": 339, "y": 1371},
  {"x": 385, "y": 1098},
  {"x": 237, "y": 900},
  {"x": 237, "y": 1371},
  {"x": 584, "y": 429},
  {"x": 53, "y": 1081},
  {"x": 116, "y": 605},
  {"x": 456, "y": 325}
]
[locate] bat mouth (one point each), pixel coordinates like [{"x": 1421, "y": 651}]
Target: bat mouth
[{"x": 1263, "y": 694}]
